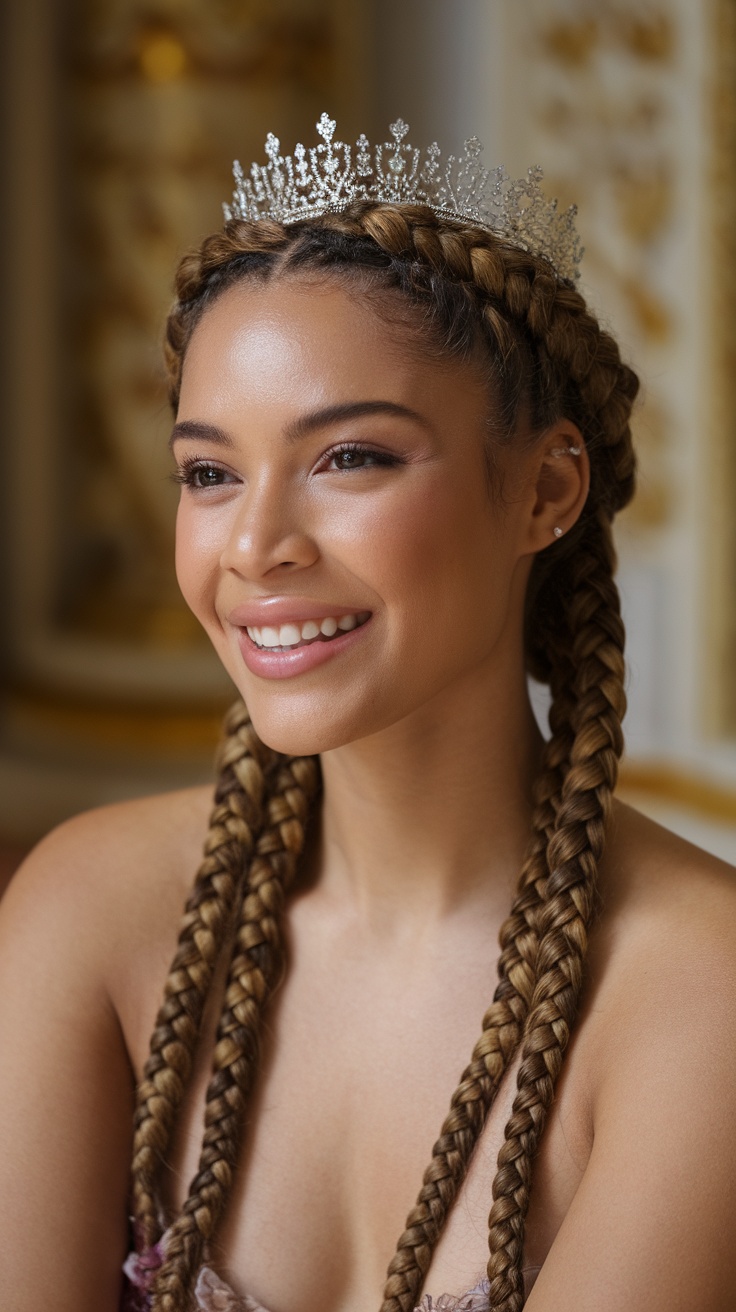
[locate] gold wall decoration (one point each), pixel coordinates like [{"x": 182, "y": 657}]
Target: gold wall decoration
[
  {"x": 600, "y": 84},
  {"x": 720, "y": 696}
]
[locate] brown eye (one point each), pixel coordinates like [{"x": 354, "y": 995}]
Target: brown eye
[
  {"x": 198, "y": 475},
  {"x": 207, "y": 476},
  {"x": 349, "y": 459},
  {"x": 359, "y": 457}
]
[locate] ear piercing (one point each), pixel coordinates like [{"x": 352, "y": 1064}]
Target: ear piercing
[{"x": 563, "y": 451}]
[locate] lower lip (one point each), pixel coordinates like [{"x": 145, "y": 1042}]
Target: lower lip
[{"x": 286, "y": 664}]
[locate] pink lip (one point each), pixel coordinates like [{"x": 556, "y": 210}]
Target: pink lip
[
  {"x": 286, "y": 664},
  {"x": 287, "y": 610}
]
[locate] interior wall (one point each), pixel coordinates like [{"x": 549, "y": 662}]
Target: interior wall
[{"x": 629, "y": 107}]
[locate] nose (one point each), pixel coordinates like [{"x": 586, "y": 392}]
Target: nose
[{"x": 268, "y": 534}]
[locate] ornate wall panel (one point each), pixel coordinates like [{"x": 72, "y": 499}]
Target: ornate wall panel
[
  {"x": 122, "y": 121},
  {"x": 721, "y": 542},
  {"x": 631, "y": 108}
]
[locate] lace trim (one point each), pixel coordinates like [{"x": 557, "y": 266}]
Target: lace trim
[
  {"x": 476, "y": 1300},
  {"x": 212, "y": 1294}
]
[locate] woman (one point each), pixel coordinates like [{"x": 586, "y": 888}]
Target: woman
[{"x": 402, "y": 439}]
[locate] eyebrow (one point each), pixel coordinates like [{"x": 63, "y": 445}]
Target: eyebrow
[
  {"x": 336, "y": 414},
  {"x": 201, "y": 432},
  {"x": 305, "y": 424}
]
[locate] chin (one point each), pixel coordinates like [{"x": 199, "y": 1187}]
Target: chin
[{"x": 302, "y": 735}]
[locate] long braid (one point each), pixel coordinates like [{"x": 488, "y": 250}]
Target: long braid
[
  {"x": 574, "y": 641},
  {"x": 255, "y": 971},
  {"x": 234, "y": 825},
  {"x": 573, "y": 853}
]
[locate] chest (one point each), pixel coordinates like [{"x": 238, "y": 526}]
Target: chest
[{"x": 360, "y": 1061}]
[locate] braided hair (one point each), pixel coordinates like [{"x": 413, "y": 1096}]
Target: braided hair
[{"x": 461, "y": 291}]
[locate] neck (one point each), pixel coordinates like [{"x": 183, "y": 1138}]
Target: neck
[{"x": 432, "y": 816}]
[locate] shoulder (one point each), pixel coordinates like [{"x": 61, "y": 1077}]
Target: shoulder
[
  {"x": 133, "y": 846},
  {"x": 665, "y": 900},
  {"x": 656, "y": 1053},
  {"x": 106, "y": 880},
  {"x": 663, "y": 959},
  {"x": 88, "y": 911}
]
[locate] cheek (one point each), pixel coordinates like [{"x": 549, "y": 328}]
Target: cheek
[
  {"x": 199, "y": 544},
  {"x": 435, "y": 538}
]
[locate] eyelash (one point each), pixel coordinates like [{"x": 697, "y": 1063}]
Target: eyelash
[
  {"x": 380, "y": 458},
  {"x": 188, "y": 470},
  {"x": 192, "y": 466}
]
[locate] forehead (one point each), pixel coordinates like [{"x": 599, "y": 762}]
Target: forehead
[{"x": 296, "y": 343}]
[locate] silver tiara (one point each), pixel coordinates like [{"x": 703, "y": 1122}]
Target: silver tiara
[{"x": 327, "y": 178}]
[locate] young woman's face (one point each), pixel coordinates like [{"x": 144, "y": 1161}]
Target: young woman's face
[{"x": 336, "y": 534}]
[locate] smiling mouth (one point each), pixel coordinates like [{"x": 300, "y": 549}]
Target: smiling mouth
[{"x": 289, "y": 637}]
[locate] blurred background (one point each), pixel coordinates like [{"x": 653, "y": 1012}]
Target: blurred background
[{"x": 121, "y": 119}]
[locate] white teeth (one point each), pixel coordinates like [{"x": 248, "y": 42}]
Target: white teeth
[{"x": 289, "y": 635}]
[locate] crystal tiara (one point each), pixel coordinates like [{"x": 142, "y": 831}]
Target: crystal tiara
[{"x": 326, "y": 178}]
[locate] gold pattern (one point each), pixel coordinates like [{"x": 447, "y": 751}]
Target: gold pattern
[
  {"x": 610, "y": 146},
  {"x": 162, "y": 56},
  {"x": 720, "y": 694},
  {"x": 644, "y": 199},
  {"x": 651, "y": 315},
  {"x": 571, "y": 43},
  {"x": 652, "y": 506},
  {"x": 650, "y": 37}
]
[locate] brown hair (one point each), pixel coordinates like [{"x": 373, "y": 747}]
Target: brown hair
[{"x": 461, "y": 291}]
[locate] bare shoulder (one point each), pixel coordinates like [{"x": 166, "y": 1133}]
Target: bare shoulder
[
  {"x": 116, "y": 878},
  {"x": 666, "y": 896},
  {"x": 657, "y": 1059},
  {"x": 665, "y": 949},
  {"x": 128, "y": 855},
  {"x": 86, "y": 927}
]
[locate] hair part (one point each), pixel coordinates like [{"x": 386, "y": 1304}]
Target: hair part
[{"x": 459, "y": 293}]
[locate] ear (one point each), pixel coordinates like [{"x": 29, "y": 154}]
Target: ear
[{"x": 560, "y": 479}]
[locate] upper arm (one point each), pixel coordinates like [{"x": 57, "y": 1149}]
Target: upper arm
[
  {"x": 653, "y": 1222},
  {"x": 66, "y": 1087}
]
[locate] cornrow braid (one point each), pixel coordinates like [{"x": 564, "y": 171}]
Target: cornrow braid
[
  {"x": 255, "y": 971},
  {"x": 235, "y": 822},
  {"x": 465, "y": 293}
]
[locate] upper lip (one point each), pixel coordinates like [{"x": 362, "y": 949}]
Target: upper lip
[{"x": 287, "y": 610}]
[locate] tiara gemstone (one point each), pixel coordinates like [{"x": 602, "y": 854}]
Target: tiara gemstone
[{"x": 328, "y": 177}]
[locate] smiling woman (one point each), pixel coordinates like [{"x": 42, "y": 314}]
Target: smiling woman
[{"x": 401, "y": 439}]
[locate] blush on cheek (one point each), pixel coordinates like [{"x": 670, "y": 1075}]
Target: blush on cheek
[
  {"x": 196, "y": 559},
  {"x": 435, "y": 539}
]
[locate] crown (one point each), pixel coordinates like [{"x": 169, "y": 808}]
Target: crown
[{"x": 326, "y": 178}]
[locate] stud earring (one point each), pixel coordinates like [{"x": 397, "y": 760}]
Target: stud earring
[
  {"x": 565, "y": 451},
  {"x": 557, "y": 532}
]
